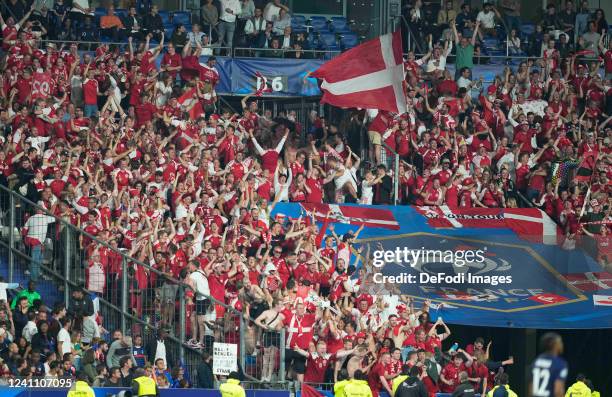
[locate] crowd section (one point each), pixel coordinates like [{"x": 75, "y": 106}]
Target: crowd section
[{"x": 144, "y": 158}]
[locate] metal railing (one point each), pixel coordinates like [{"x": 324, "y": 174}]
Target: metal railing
[{"x": 129, "y": 293}]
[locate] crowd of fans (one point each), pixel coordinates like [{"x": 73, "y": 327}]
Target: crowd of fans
[
  {"x": 576, "y": 28},
  {"x": 227, "y": 23},
  {"x": 144, "y": 158}
]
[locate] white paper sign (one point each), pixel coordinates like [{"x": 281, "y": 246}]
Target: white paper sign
[{"x": 225, "y": 358}]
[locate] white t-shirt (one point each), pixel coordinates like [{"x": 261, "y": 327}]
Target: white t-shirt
[
  {"x": 64, "y": 336},
  {"x": 200, "y": 283},
  {"x": 232, "y": 5},
  {"x": 271, "y": 11},
  {"x": 37, "y": 226},
  {"x": 487, "y": 19}
]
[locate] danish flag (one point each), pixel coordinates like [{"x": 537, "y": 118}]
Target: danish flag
[
  {"x": 590, "y": 281},
  {"x": 353, "y": 215},
  {"x": 529, "y": 224},
  {"x": 369, "y": 76},
  {"x": 263, "y": 86}
]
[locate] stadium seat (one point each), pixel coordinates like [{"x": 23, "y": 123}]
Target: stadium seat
[
  {"x": 165, "y": 16},
  {"x": 339, "y": 25},
  {"x": 327, "y": 41},
  {"x": 298, "y": 24},
  {"x": 319, "y": 24},
  {"x": 168, "y": 30},
  {"x": 181, "y": 17},
  {"x": 348, "y": 40},
  {"x": 120, "y": 12},
  {"x": 527, "y": 29},
  {"x": 298, "y": 20}
]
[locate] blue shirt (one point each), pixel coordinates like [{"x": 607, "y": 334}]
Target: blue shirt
[
  {"x": 139, "y": 355},
  {"x": 545, "y": 371}
]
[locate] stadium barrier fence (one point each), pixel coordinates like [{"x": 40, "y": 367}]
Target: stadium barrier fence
[{"x": 66, "y": 261}]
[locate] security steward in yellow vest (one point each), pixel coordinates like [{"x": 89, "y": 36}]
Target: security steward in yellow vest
[
  {"x": 232, "y": 388},
  {"x": 143, "y": 386},
  {"x": 358, "y": 386},
  {"x": 81, "y": 388},
  {"x": 341, "y": 382}
]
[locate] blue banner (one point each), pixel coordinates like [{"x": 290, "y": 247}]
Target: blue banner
[
  {"x": 285, "y": 77},
  {"x": 489, "y": 267}
]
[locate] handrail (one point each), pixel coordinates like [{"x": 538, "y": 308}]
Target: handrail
[
  {"x": 411, "y": 33},
  {"x": 124, "y": 257},
  {"x": 239, "y": 52}
]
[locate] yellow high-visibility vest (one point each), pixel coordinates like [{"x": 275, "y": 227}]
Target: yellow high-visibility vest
[
  {"x": 146, "y": 386},
  {"x": 81, "y": 389}
]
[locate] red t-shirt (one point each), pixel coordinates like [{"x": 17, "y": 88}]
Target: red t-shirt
[{"x": 90, "y": 92}]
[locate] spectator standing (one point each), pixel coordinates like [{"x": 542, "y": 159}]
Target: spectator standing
[
  {"x": 80, "y": 9},
  {"x": 281, "y": 22},
  {"x": 551, "y": 21},
  {"x": 121, "y": 347},
  {"x": 157, "y": 349},
  {"x": 227, "y": 22},
  {"x": 446, "y": 15},
  {"x": 36, "y": 232},
  {"x": 29, "y": 293},
  {"x": 487, "y": 17},
  {"x": 210, "y": 18},
  {"x": 600, "y": 21},
  {"x": 152, "y": 24},
  {"x": 568, "y": 20},
  {"x": 63, "y": 337},
  {"x": 583, "y": 14},
  {"x": 591, "y": 39},
  {"x": 254, "y": 29},
  {"x": 465, "y": 19},
  {"x": 272, "y": 10},
  {"x": 512, "y": 14},
  {"x": 465, "y": 50},
  {"x": 206, "y": 379},
  {"x": 383, "y": 187}
]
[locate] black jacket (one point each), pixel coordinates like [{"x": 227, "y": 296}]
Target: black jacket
[
  {"x": 128, "y": 22},
  {"x": 382, "y": 191},
  {"x": 411, "y": 387},
  {"x": 206, "y": 380},
  {"x": 81, "y": 307},
  {"x": 465, "y": 389},
  {"x": 152, "y": 22},
  {"x": 150, "y": 349}
]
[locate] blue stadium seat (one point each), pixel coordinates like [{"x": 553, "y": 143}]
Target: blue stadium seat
[
  {"x": 527, "y": 29},
  {"x": 120, "y": 12},
  {"x": 339, "y": 25},
  {"x": 165, "y": 16},
  {"x": 168, "y": 30},
  {"x": 298, "y": 24},
  {"x": 319, "y": 24},
  {"x": 181, "y": 17},
  {"x": 327, "y": 41},
  {"x": 298, "y": 20},
  {"x": 348, "y": 41}
]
